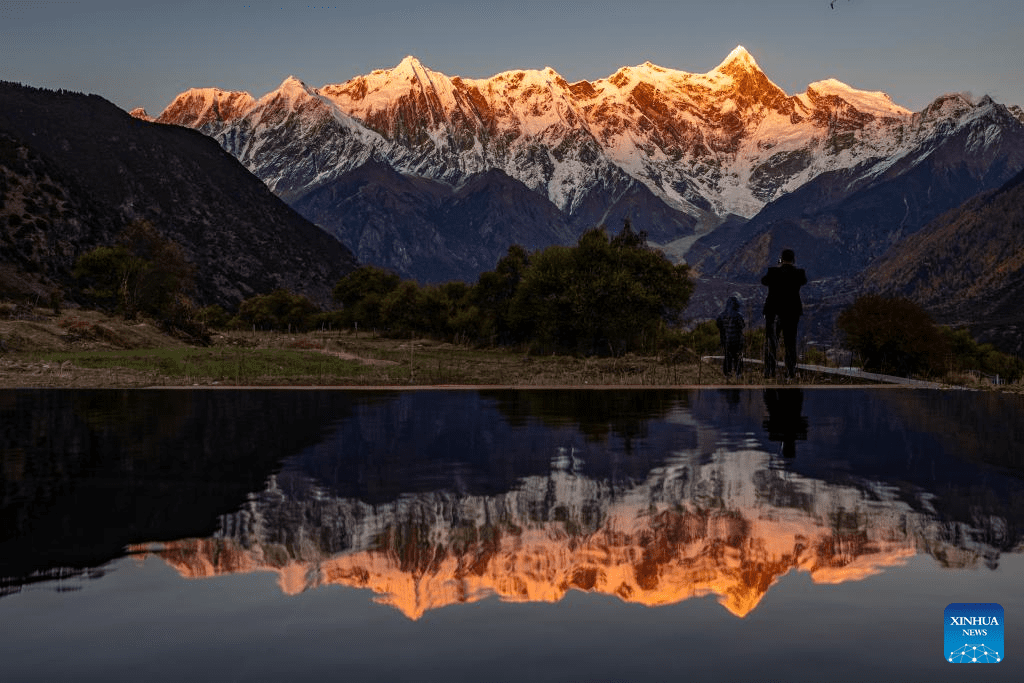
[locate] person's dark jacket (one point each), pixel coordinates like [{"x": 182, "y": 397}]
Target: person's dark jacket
[
  {"x": 730, "y": 324},
  {"x": 784, "y": 283}
]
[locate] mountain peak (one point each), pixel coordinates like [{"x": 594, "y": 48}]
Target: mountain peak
[
  {"x": 409, "y": 64},
  {"x": 875, "y": 103},
  {"x": 140, "y": 113},
  {"x": 293, "y": 84},
  {"x": 197, "y": 106},
  {"x": 738, "y": 59},
  {"x": 947, "y": 106}
]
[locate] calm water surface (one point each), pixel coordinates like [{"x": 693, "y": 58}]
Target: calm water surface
[{"x": 735, "y": 535}]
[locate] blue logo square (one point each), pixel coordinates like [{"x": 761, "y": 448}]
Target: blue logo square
[{"x": 973, "y": 633}]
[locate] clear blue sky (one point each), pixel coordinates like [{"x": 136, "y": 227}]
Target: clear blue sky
[{"x": 143, "y": 53}]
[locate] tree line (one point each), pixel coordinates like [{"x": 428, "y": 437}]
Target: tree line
[{"x": 605, "y": 295}]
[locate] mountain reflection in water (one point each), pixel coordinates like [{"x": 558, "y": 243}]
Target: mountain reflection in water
[{"x": 436, "y": 498}]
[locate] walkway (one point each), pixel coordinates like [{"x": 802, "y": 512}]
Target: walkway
[{"x": 855, "y": 373}]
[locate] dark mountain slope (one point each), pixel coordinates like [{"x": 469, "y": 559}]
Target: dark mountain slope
[
  {"x": 242, "y": 239},
  {"x": 619, "y": 198},
  {"x": 427, "y": 230},
  {"x": 45, "y": 217},
  {"x": 966, "y": 266}
]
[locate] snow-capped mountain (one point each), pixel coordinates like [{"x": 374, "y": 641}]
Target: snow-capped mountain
[
  {"x": 726, "y": 141},
  {"x": 842, "y": 219},
  {"x": 678, "y": 153}
]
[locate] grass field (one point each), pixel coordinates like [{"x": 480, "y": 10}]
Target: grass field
[
  {"x": 333, "y": 359},
  {"x": 87, "y": 349}
]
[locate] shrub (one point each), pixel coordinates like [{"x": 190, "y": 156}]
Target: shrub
[
  {"x": 214, "y": 317},
  {"x": 966, "y": 354},
  {"x": 601, "y": 296},
  {"x": 279, "y": 310},
  {"x": 893, "y": 335},
  {"x": 815, "y": 356},
  {"x": 703, "y": 339},
  {"x": 143, "y": 273},
  {"x": 361, "y": 294}
]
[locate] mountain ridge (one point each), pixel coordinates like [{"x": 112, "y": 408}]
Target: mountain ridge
[
  {"x": 843, "y": 219},
  {"x": 643, "y": 120},
  {"x": 721, "y": 169},
  {"x": 674, "y": 152}
]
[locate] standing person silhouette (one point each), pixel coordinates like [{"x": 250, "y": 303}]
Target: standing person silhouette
[
  {"x": 730, "y": 330},
  {"x": 782, "y": 311}
]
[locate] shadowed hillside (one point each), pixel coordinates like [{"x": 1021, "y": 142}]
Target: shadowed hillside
[
  {"x": 966, "y": 266},
  {"x": 75, "y": 169}
]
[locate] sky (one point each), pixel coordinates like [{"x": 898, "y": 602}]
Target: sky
[{"x": 144, "y": 53}]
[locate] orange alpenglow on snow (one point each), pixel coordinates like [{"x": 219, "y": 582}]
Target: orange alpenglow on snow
[{"x": 649, "y": 559}]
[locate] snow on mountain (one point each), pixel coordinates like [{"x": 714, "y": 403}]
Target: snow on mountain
[
  {"x": 198, "y": 106},
  {"x": 524, "y": 123},
  {"x": 985, "y": 122},
  {"x": 838, "y": 222},
  {"x": 141, "y": 113},
  {"x": 292, "y": 138},
  {"x": 873, "y": 103},
  {"x": 708, "y": 145}
]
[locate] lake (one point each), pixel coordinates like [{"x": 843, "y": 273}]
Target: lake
[{"x": 783, "y": 534}]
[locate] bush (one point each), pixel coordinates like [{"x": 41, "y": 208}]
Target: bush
[
  {"x": 893, "y": 335},
  {"x": 329, "y": 320},
  {"x": 966, "y": 354},
  {"x": 214, "y": 317},
  {"x": 361, "y": 294},
  {"x": 601, "y": 296},
  {"x": 279, "y": 310},
  {"x": 815, "y": 356},
  {"x": 703, "y": 339},
  {"x": 144, "y": 273},
  {"x": 753, "y": 343}
]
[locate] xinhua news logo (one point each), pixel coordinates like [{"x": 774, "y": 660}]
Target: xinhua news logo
[{"x": 973, "y": 633}]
